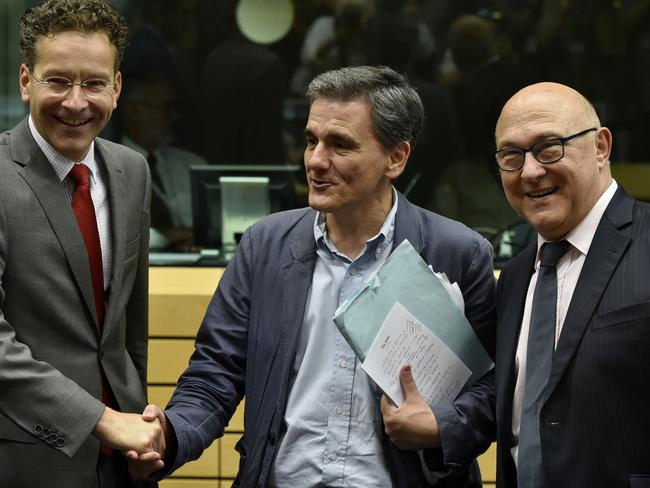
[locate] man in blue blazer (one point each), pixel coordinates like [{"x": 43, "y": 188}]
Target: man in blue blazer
[
  {"x": 312, "y": 416},
  {"x": 593, "y": 425}
]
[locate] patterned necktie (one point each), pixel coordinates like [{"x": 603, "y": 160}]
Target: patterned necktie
[
  {"x": 84, "y": 211},
  {"x": 541, "y": 344}
]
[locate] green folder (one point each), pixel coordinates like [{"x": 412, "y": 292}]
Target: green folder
[{"x": 406, "y": 278}]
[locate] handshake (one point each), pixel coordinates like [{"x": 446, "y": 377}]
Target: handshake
[{"x": 143, "y": 439}]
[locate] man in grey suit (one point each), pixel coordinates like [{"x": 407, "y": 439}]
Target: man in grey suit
[
  {"x": 313, "y": 417},
  {"x": 73, "y": 262},
  {"x": 572, "y": 376}
]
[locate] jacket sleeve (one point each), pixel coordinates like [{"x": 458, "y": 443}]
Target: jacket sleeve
[{"x": 212, "y": 386}]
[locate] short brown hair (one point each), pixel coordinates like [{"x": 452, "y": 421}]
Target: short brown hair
[{"x": 54, "y": 16}]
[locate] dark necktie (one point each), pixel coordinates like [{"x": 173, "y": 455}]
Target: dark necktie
[
  {"x": 84, "y": 211},
  {"x": 541, "y": 344},
  {"x": 160, "y": 216}
]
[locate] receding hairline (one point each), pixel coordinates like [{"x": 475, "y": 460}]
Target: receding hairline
[{"x": 582, "y": 106}]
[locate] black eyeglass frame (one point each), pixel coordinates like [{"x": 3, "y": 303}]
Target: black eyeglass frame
[{"x": 531, "y": 149}]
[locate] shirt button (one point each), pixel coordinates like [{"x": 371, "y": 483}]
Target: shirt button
[
  {"x": 339, "y": 409},
  {"x": 352, "y": 272},
  {"x": 343, "y": 364},
  {"x": 332, "y": 456}
]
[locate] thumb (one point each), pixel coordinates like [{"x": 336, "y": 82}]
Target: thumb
[
  {"x": 407, "y": 381},
  {"x": 151, "y": 413}
]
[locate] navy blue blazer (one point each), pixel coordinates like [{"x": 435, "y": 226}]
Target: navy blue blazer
[
  {"x": 595, "y": 423},
  {"x": 247, "y": 343}
]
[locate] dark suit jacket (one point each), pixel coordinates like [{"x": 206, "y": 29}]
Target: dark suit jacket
[
  {"x": 51, "y": 349},
  {"x": 246, "y": 345},
  {"x": 595, "y": 422}
]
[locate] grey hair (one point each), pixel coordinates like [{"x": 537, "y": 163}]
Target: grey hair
[{"x": 396, "y": 109}]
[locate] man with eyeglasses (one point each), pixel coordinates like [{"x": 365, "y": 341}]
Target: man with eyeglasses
[
  {"x": 74, "y": 232},
  {"x": 573, "y": 333}
]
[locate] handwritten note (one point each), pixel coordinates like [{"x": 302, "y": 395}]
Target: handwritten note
[{"x": 402, "y": 339}]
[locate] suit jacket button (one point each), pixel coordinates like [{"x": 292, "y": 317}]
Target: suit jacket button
[
  {"x": 551, "y": 424},
  {"x": 272, "y": 438},
  {"x": 38, "y": 429},
  {"x": 60, "y": 442},
  {"x": 101, "y": 353}
]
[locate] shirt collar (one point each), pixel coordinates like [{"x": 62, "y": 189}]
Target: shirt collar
[
  {"x": 383, "y": 238},
  {"x": 583, "y": 233},
  {"x": 62, "y": 165}
]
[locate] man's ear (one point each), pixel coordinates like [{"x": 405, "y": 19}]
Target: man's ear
[
  {"x": 24, "y": 81},
  {"x": 117, "y": 88},
  {"x": 398, "y": 157},
  {"x": 603, "y": 146}
]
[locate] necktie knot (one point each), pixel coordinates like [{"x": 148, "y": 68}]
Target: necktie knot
[
  {"x": 552, "y": 252},
  {"x": 80, "y": 174}
]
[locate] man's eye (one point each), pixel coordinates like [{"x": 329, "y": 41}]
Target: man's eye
[
  {"x": 97, "y": 84},
  {"x": 57, "y": 81}
]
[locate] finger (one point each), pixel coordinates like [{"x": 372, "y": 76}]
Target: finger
[
  {"x": 131, "y": 455},
  {"x": 407, "y": 381}
]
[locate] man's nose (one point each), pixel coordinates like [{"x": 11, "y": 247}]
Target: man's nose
[
  {"x": 76, "y": 99},
  {"x": 532, "y": 169},
  {"x": 317, "y": 157}
]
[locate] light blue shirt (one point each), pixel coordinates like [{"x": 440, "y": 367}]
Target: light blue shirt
[{"x": 333, "y": 420}]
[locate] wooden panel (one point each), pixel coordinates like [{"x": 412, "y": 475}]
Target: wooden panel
[
  {"x": 178, "y": 298},
  {"x": 207, "y": 466},
  {"x": 488, "y": 463},
  {"x": 229, "y": 457},
  {"x": 168, "y": 358},
  {"x": 635, "y": 178},
  {"x": 180, "y": 483},
  {"x": 226, "y": 484}
]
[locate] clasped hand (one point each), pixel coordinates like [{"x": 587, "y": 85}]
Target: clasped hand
[{"x": 141, "y": 438}]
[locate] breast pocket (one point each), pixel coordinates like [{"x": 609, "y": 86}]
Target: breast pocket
[{"x": 635, "y": 314}]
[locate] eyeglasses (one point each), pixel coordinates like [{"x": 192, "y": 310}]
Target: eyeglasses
[
  {"x": 546, "y": 152},
  {"x": 62, "y": 86}
]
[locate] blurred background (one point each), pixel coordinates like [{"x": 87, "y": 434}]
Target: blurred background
[{"x": 222, "y": 82}]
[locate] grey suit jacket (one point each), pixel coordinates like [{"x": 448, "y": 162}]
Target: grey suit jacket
[
  {"x": 595, "y": 422},
  {"x": 51, "y": 349},
  {"x": 247, "y": 344}
]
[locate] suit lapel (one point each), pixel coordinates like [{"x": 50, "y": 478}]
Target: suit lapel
[
  {"x": 607, "y": 249},
  {"x": 50, "y": 192},
  {"x": 296, "y": 284},
  {"x": 117, "y": 198}
]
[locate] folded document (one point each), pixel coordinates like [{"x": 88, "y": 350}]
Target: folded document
[{"x": 406, "y": 314}]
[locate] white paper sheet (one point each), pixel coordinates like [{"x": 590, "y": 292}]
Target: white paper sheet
[{"x": 402, "y": 339}]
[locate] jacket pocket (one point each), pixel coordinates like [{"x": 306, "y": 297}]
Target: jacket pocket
[{"x": 629, "y": 315}]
